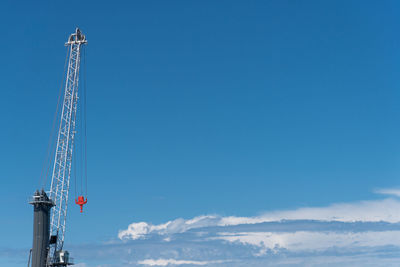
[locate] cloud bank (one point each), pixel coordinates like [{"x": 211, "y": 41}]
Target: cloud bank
[
  {"x": 364, "y": 233},
  {"x": 386, "y": 210}
]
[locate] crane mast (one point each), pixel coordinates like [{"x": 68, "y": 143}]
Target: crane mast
[{"x": 48, "y": 234}]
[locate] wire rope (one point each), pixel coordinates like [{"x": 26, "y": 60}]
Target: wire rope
[
  {"x": 85, "y": 121},
  {"x": 47, "y": 164},
  {"x": 81, "y": 147}
]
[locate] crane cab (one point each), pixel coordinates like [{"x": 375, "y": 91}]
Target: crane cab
[{"x": 63, "y": 258}]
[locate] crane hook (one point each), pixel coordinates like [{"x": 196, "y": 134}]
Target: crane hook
[{"x": 81, "y": 201}]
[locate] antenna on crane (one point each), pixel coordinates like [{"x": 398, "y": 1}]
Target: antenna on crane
[{"x": 48, "y": 234}]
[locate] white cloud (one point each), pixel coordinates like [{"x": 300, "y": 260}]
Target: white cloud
[
  {"x": 303, "y": 241},
  {"x": 166, "y": 262},
  {"x": 365, "y": 211},
  {"x": 341, "y": 234},
  {"x": 388, "y": 191},
  {"x": 141, "y": 229}
]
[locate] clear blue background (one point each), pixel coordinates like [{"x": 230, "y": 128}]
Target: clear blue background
[{"x": 199, "y": 107}]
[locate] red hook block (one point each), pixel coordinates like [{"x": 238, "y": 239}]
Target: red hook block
[{"x": 81, "y": 201}]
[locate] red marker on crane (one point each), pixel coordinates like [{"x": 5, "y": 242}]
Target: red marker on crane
[{"x": 81, "y": 201}]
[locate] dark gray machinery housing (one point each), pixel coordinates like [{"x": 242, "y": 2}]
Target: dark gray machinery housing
[{"x": 41, "y": 228}]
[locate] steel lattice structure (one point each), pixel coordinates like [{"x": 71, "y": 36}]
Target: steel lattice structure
[{"x": 65, "y": 142}]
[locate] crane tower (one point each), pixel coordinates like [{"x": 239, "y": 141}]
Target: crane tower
[{"x": 50, "y": 210}]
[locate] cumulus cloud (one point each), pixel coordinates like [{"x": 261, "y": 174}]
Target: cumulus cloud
[
  {"x": 364, "y": 211},
  {"x": 141, "y": 229}
]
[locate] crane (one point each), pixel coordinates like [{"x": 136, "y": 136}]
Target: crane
[{"x": 49, "y": 234}]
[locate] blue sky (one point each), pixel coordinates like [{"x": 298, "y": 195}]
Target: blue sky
[{"x": 204, "y": 108}]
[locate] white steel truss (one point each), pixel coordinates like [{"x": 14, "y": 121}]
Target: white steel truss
[{"x": 63, "y": 158}]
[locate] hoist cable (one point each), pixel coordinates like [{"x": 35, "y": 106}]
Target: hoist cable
[
  {"x": 47, "y": 163},
  {"x": 74, "y": 156},
  {"x": 85, "y": 121},
  {"x": 81, "y": 147},
  {"x": 74, "y": 150}
]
